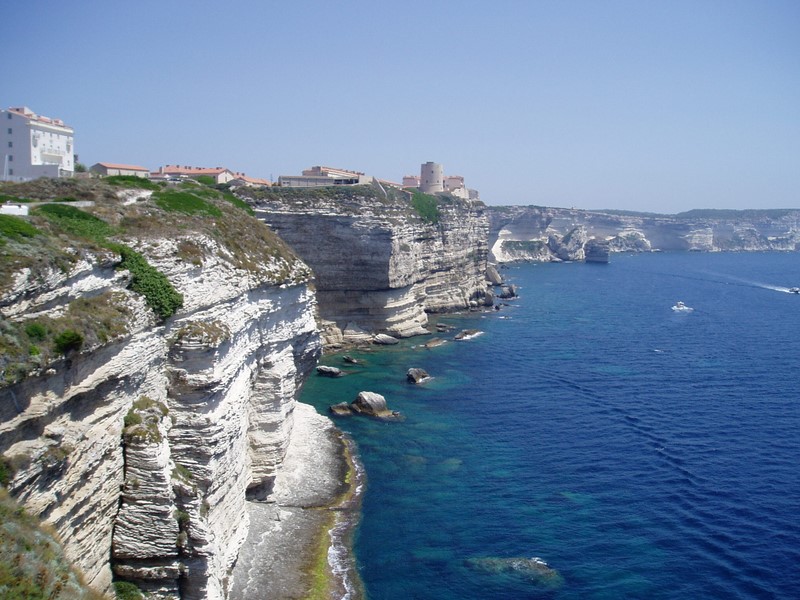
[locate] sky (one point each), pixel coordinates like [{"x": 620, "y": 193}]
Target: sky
[{"x": 647, "y": 105}]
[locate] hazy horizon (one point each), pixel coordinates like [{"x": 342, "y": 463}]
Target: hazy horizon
[{"x": 619, "y": 105}]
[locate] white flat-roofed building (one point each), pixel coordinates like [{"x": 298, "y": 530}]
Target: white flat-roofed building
[
  {"x": 323, "y": 177},
  {"x": 33, "y": 146}
]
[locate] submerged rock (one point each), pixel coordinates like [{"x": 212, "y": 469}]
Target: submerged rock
[
  {"x": 341, "y": 410},
  {"x": 434, "y": 343},
  {"x": 532, "y": 569},
  {"x": 417, "y": 375}
]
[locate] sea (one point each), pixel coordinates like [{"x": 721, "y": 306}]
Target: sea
[{"x": 590, "y": 442}]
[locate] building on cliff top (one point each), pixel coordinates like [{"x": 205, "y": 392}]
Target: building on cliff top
[
  {"x": 219, "y": 174},
  {"x": 324, "y": 176},
  {"x": 432, "y": 180},
  {"x": 35, "y": 146},
  {"x": 109, "y": 169}
]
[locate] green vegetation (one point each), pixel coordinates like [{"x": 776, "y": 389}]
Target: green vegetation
[
  {"x": 57, "y": 235},
  {"x": 211, "y": 333},
  {"x": 151, "y": 283},
  {"x": 141, "y": 422},
  {"x": 205, "y": 179},
  {"x": 67, "y": 341},
  {"x": 29, "y": 346},
  {"x": 132, "y": 181},
  {"x": 15, "y": 228},
  {"x": 185, "y": 202},
  {"x": 240, "y": 203},
  {"x": 76, "y": 222},
  {"x": 427, "y": 206},
  {"x": 124, "y": 590},
  {"x": 6, "y": 472},
  {"x": 181, "y": 472},
  {"x": 32, "y": 562}
]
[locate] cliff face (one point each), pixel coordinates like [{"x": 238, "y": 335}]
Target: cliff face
[
  {"x": 539, "y": 233},
  {"x": 141, "y": 446},
  {"x": 379, "y": 265}
]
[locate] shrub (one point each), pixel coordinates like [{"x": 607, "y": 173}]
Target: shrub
[
  {"x": 132, "y": 418},
  {"x": 125, "y": 590},
  {"x": 67, "y": 340},
  {"x": 6, "y": 472},
  {"x": 150, "y": 283},
  {"x": 427, "y": 206},
  {"x": 36, "y": 331},
  {"x": 182, "y": 518}
]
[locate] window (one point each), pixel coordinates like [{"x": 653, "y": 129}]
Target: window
[
  {"x": 9, "y": 131},
  {"x": 11, "y": 171},
  {"x": 8, "y": 115},
  {"x": 10, "y": 158},
  {"x": 10, "y": 144}
]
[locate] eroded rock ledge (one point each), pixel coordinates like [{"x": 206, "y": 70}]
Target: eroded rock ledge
[{"x": 379, "y": 266}]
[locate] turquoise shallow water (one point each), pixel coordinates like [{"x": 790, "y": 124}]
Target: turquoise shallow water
[{"x": 639, "y": 452}]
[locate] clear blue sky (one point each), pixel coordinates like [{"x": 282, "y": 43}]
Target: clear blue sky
[{"x": 642, "y": 105}]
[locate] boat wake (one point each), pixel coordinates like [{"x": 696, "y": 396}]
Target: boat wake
[{"x": 758, "y": 284}]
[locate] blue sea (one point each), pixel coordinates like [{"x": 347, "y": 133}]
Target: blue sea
[{"x": 638, "y": 452}]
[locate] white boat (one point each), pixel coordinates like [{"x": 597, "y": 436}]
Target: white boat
[
  {"x": 794, "y": 290},
  {"x": 681, "y": 307}
]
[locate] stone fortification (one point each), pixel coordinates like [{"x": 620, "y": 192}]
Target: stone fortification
[
  {"x": 141, "y": 445},
  {"x": 380, "y": 264},
  {"x": 552, "y": 234}
]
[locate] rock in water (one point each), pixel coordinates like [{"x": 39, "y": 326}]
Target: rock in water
[
  {"x": 508, "y": 291},
  {"x": 533, "y": 569},
  {"x": 386, "y": 340},
  {"x": 467, "y": 334},
  {"x": 416, "y": 375},
  {"x": 327, "y": 371},
  {"x": 341, "y": 410},
  {"x": 371, "y": 404}
]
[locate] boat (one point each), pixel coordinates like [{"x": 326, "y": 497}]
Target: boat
[
  {"x": 681, "y": 307},
  {"x": 794, "y": 290}
]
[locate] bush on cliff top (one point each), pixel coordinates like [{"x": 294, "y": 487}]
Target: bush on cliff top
[{"x": 427, "y": 206}]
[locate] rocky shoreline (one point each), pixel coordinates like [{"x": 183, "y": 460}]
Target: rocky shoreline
[{"x": 299, "y": 543}]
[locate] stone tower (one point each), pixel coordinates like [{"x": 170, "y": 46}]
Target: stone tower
[{"x": 431, "y": 178}]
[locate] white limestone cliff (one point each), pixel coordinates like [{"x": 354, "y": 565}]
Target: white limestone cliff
[
  {"x": 159, "y": 497},
  {"x": 379, "y": 267}
]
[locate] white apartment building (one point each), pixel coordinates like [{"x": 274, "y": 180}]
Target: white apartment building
[{"x": 33, "y": 146}]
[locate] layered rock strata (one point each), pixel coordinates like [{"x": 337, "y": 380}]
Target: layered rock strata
[
  {"x": 542, "y": 234},
  {"x": 141, "y": 450},
  {"x": 379, "y": 266}
]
